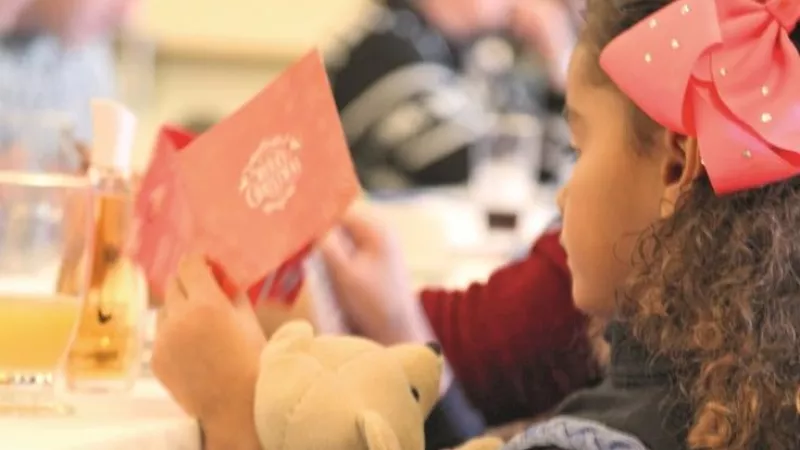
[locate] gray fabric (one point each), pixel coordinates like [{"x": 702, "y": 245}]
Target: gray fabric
[
  {"x": 570, "y": 433},
  {"x": 637, "y": 396}
]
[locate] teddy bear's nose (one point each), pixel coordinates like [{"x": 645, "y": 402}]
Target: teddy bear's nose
[{"x": 435, "y": 347}]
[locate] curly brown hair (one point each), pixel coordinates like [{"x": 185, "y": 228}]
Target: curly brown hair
[{"x": 716, "y": 289}]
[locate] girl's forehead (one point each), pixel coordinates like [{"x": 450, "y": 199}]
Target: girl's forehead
[{"x": 579, "y": 74}]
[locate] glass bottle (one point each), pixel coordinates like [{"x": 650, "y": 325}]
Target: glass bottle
[{"x": 106, "y": 353}]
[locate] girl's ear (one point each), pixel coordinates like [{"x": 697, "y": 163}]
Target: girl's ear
[{"x": 681, "y": 166}]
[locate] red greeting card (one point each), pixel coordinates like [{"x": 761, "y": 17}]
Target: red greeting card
[
  {"x": 163, "y": 163},
  {"x": 163, "y": 226},
  {"x": 254, "y": 192},
  {"x": 284, "y": 283},
  {"x": 163, "y": 231},
  {"x": 273, "y": 177}
]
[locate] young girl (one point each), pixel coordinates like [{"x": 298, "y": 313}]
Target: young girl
[{"x": 679, "y": 224}]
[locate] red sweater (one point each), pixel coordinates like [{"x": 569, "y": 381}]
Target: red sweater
[{"x": 516, "y": 343}]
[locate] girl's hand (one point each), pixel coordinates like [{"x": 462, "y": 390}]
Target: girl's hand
[
  {"x": 206, "y": 354},
  {"x": 371, "y": 281}
]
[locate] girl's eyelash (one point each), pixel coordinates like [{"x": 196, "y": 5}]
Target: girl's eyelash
[{"x": 573, "y": 151}]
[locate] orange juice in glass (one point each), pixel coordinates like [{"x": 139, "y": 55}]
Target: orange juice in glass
[
  {"x": 44, "y": 323},
  {"x": 44, "y": 221}
]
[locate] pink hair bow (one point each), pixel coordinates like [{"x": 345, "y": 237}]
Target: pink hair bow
[{"x": 726, "y": 72}]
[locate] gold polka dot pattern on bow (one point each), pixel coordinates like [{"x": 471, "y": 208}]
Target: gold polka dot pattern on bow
[{"x": 766, "y": 117}]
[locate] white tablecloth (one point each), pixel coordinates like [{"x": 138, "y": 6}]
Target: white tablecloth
[
  {"x": 445, "y": 236},
  {"x": 145, "y": 419}
]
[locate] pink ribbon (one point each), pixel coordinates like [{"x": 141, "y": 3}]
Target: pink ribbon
[{"x": 726, "y": 72}]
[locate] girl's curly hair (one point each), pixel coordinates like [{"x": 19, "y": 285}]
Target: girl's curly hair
[{"x": 716, "y": 289}]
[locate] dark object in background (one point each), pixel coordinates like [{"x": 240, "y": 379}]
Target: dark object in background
[
  {"x": 499, "y": 220},
  {"x": 200, "y": 123},
  {"x": 411, "y": 103},
  {"x": 557, "y": 157},
  {"x": 452, "y": 421}
]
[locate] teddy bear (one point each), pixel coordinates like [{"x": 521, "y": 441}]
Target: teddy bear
[
  {"x": 293, "y": 390},
  {"x": 345, "y": 392}
]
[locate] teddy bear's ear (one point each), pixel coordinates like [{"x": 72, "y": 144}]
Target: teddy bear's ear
[
  {"x": 376, "y": 432},
  {"x": 294, "y": 336},
  {"x": 423, "y": 367}
]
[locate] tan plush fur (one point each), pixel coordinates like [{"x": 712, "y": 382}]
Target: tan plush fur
[
  {"x": 487, "y": 443},
  {"x": 345, "y": 393}
]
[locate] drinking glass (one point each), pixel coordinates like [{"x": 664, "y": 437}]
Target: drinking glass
[
  {"x": 45, "y": 217},
  {"x": 39, "y": 141}
]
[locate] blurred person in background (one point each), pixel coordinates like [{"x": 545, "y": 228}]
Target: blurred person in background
[
  {"x": 405, "y": 83},
  {"x": 549, "y": 28},
  {"x": 55, "y": 55}
]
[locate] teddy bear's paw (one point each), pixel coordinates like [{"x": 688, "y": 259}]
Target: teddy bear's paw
[{"x": 486, "y": 443}]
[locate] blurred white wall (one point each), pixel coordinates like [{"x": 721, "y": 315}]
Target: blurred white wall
[
  {"x": 244, "y": 27},
  {"x": 183, "y": 56}
]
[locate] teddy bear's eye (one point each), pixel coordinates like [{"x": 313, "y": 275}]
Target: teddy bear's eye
[{"x": 415, "y": 393}]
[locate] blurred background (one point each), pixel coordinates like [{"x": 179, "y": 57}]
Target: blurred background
[
  {"x": 195, "y": 65},
  {"x": 451, "y": 108}
]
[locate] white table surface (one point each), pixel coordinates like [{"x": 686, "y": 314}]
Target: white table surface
[
  {"x": 445, "y": 237},
  {"x": 144, "y": 419},
  {"x": 445, "y": 242}
]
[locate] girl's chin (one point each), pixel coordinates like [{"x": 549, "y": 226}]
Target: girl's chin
[{"x": 589, "y": 303}]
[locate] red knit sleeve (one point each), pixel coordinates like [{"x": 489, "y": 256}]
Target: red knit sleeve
[{"x": 516, "y": 343}]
